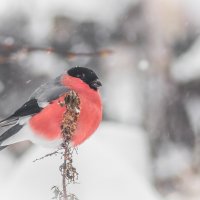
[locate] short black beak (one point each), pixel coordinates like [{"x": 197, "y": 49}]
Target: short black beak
[{"x": 95, "y": 84}]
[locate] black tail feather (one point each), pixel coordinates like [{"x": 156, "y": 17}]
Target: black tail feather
[
  {"x": 10, "y": 132},
  {"x": 8, "y": 121},
  {"x": 3, "y": 147}
]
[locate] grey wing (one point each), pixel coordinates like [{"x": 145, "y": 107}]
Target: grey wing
[
  {"x": 49, "y": 91},
  {"x": 38, "y": 100}
]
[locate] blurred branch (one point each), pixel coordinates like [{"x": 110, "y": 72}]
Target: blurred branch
[{"x": 10, "y": 51}]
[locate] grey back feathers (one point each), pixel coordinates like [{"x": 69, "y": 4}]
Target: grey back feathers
[{"x": 49, "y": 91}]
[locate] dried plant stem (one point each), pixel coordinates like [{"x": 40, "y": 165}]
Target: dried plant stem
[
  {"x": 64, "y": 175},
  {"x": 68, "y": 127}
]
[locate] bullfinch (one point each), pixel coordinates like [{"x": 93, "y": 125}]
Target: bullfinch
[{"x": 39, "y": 119}]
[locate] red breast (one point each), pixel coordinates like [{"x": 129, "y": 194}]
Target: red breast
[{"x": 46, "y": 124}]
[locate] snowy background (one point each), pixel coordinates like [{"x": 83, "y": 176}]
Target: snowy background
[{"x": 148, "y": 146}]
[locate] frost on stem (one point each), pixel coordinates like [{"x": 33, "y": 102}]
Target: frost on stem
[{"x": 68, "y": 127}]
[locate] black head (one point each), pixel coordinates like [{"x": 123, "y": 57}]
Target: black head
[{"x": 86, "y": 75}]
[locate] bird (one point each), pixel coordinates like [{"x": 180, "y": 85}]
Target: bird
[{"x": 39, "y": 119}]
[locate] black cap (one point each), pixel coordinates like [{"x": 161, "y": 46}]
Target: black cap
[{"x": 86, "y": 75}]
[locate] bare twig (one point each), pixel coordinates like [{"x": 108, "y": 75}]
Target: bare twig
[{"x": 49, "y": 154}]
